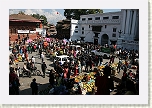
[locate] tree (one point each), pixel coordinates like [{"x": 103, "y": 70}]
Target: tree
[
  {"x": 38, "y": 16},
  {"x": 75, "y": 13},
  {"x": 21, "y": 12}
]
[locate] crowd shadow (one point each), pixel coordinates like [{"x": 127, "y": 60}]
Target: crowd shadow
[{"x": 28, "y": 91}]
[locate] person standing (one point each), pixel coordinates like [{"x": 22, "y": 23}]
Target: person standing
[
  {"x": 14, "y": 82},
  {"x": 104, "y": 84},
  {"x": 33, "y": 60},
  {"x": 43, "y": 67},
  {"x": 42, "y": 56},
  {"x": 40, "y": 52},
  {"x": 34, "y": 87},
  {"x": 18, "y": 70},
  {"x": 76, "y": 69},
  {"x": 51, "y": 78}
]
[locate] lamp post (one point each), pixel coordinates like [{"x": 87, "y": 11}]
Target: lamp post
[
  {"x": 120, "y": 33},
  {"x": 42, "y": 21}
]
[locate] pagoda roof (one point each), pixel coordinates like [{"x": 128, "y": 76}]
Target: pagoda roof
[{"x": 22, "y": 17}]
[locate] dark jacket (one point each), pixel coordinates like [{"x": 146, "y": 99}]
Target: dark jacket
[
  {"x": 43, "y": 66},
  {"x": 34, "y": 86}
]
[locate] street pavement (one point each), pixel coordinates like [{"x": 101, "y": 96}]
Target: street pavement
[{"x": 44, "y": 82}]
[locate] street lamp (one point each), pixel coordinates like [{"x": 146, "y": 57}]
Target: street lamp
[{"x": 120, "y": 32}]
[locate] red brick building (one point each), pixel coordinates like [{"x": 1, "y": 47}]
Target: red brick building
[{"x": 23, "y": 25}]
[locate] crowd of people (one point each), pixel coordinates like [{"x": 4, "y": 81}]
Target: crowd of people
[{"x": 80, "y": 60}]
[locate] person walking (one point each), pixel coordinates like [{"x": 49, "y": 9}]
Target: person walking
[
  {"x": 43, "y": 67},
  {"x": 34, "y": 87}
]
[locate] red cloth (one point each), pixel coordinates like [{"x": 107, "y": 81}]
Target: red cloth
[
  {"x": 12, "y": 77},
  {"x": 65, "y": 72},
  {"x": 76, "y": 70}
]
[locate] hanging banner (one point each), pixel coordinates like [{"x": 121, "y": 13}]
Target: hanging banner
[{"x": 23, "y": 31}]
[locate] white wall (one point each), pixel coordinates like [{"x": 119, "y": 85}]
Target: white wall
[
  {"x": 73, "y": 35},
  {"x": 111, "y": 23}
]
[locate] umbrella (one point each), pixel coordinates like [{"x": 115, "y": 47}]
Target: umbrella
[
  {"x": 29, "y": 40},
  {"x": 47, "y": 39}
]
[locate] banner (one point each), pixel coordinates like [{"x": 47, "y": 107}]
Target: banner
[{"x": 23, "y": 31}]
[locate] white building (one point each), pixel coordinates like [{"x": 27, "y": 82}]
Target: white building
[
  {"x": 130, "y": 29},
  {"x": 120, "y": 28},
  {"x": 74, "y": 32},
  {"x": 98, "y": 28}
]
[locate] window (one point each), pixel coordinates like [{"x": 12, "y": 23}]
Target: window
[
  {"x": 114, "y": 29},
  {"x": 115, "y": 17},
  {"x": 97, "y": 18},
  {"x": 76, "y": 26},
  {"x": 105, "y": 26},
  {"x": 83, "y": 19},
  {"x": 82, "y": 28},
  {"x": 89, "y": 26},
  {"x": 96, "y": 28},
  {"x": 113, "y": 35},
  {"x": 76, "y": 31},
  {"x": 82, "y": 32},
  {"x": 105, "y": 17},
  {"x": 89, "y": 18}
]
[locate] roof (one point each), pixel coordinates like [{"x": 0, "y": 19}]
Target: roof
[
  {"x": 22, "y": 17},
  {"x": 66, "y": 26}
]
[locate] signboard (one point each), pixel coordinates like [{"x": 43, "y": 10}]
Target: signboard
[
  {"x": 23, "y": 31},
  {"x": 32, "y": 31}
]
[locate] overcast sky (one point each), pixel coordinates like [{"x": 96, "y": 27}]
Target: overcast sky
[{"x": 51, "y": 14}]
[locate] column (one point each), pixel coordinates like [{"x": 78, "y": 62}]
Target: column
[
  {"x": 130, "y": 22},
  {"x": 133, "y": 23},
  {"x": 124, "y": 19},
  {"x": 127, "y": 22},
  {"x": 136, "y": 32}
]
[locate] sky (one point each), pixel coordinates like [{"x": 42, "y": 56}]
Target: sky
[{"x": 51, "y": 14}]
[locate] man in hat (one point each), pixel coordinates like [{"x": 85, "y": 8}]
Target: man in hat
[{"x": 34, "y": 87}]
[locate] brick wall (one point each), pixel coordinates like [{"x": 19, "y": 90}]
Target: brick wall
[{"x": 15, "y": 36}]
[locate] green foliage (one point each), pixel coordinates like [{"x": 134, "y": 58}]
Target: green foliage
[
  {"x": 75, "y": 13},
  {"x": 21, "y": 12},
  {"x": 38, "y": 16}
]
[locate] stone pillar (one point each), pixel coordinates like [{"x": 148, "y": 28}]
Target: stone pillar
[
  {"x": 130, "y": 21},
  {"x": 136, "y": 28},
  {"x": 123, "y": 21},
  {"x": 127, "y": 22},
  {"x": 133, "y": 23}
]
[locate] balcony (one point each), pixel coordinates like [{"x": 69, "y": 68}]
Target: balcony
[{"x": 106, "y": 21}]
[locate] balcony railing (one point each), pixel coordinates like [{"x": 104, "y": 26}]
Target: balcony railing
[{"x": 113, "y": 21}]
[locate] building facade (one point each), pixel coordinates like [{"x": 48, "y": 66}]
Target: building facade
[
  {"x": 98, "y": 28},
  {"x": 129, "y": 38},
  {"x": 120, "y": 28},
  {"x": 51, "y": 31},
  {"x": 23, "y": 25},
  {"x": 74, "y": 32},
  {"x": 63, "y": 29}
]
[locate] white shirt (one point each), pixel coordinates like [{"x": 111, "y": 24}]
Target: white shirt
[
  {"x": 23, "y": 55},
  {"x": 33, "y": 59},
  {"x": 42, "y": 55}
]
